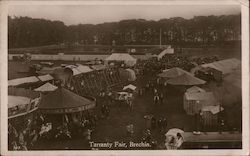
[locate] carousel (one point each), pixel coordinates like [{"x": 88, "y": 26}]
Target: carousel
[{"x": 65, "y": 112}]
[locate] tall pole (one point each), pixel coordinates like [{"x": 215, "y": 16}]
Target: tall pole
[{"x": 160, "y": 37}]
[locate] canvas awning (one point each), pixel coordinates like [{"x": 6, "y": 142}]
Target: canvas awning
[
  {"x": 19, "y": 81},
  {"x": 47, "y": 87},
  {"x": 44, "y": 78},
  {"x": 63, "y": 101},
  {"x": 173, "y": 72},
  {"x": 14, "y": 101},
  {"x": 200, "y": 96},
  {"x": 185, "y": 79}
]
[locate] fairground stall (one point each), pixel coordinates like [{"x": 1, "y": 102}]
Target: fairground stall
[{"x": 22, "y": 109}]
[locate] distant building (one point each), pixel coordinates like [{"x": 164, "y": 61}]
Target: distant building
[{"x": 162, "y": 51}]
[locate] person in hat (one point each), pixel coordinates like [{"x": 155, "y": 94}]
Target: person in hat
[{"x": 156, "y": 99}]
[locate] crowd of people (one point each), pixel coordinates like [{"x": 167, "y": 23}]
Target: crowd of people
[
  {"x": 153, "y": 66},
  {"x": 41, "y": 127},
  {"x": 45, "y": 127}
]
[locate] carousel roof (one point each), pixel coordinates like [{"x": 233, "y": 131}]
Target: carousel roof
[
  {"x": 173, "y": 72},
  {"x": 185, "y": 79},
  {"x": 64, "y": 101}
]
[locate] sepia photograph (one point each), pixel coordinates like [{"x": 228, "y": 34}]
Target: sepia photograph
[{"x": 119, "y": 76}]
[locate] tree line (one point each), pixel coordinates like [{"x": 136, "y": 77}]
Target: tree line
[{"x": 177, "y": 31}]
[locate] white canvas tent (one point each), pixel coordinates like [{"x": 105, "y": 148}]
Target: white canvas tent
[
  {"x": 225, "y": 66},
  {"x": 126, "y": 58},
  {"x": 194, "y": 102}
]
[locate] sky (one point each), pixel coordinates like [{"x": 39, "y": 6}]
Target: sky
[{"x": 95, "y": 14}]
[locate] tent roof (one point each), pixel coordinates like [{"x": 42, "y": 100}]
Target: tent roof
[
  {"x": 200, "y": 96},
  {"x": 19, "y": 81},
  {"x": 225, "y": 66},
  {"x": 83, "y": 69},
  {"x": 47, "y": 77},
  {"x": 195, "y": 89},
  {"x": 185, "y": 79},
  {"x": 63, "y": 99},
  {"x": 22, "y": 92},
  {"x": 17, "y": 100},
  {"x": 46, "y": 87},
  {"x": 79, "y": 69},
  {"x": 173, "y": 72},
  {"x": 120, "y": 57}
]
